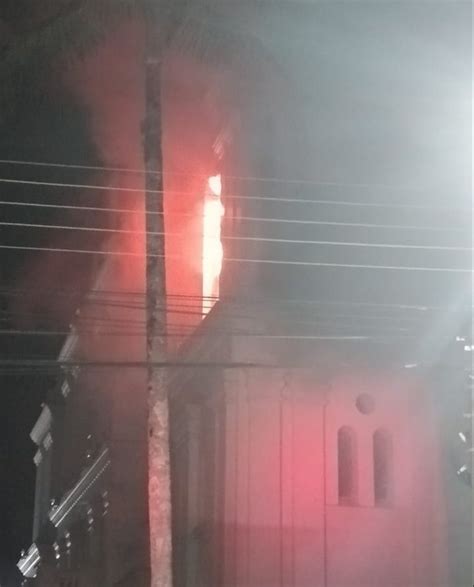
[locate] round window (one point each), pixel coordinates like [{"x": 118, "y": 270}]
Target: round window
[{"x": 365, "y": 403}]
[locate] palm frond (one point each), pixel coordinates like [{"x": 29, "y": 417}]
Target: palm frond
[
  {"x": 214, "y": 38},
  {"x": 29, "y": 58},
  {"x": 199, "y": 29},
  {"x": 219, "y": 39}
]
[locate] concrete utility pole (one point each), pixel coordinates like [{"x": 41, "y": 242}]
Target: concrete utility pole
[{"x": 159, "y": 474}]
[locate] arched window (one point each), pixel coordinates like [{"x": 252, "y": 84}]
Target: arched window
[
  {"x": 383, "y": 467},
  {"x": 347, "y": 465}
]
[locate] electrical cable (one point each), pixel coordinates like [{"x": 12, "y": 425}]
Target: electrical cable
[
  {"x": 245, "y": 260},
  {"x": 228, "y": 299},
  {"x": 232, "y": 196},
  {"x": 203, "y": 176},
  {"x": 181, "y": 328},
  {"x": 16, "y": 315},
  {"x": 237, "y": 238},
  {"x": 241, "y": 218},
  {"x": 60, "y": 365}
]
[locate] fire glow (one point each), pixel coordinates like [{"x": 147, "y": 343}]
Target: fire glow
[{"x": 212, "y": 251}]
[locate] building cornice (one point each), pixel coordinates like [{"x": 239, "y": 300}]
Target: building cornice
[
  {"x": 75, "y": 504},
  {"x": 42, "y": 426},
  {"x": 69, "y": 346},
  {"x": 71, "y": 503},
  {"x": 28, "y": 564}
]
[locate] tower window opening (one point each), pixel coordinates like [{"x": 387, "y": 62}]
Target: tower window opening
[
  {"x": 383, "y": 467},
  {"x": 212, "y": 251},
  {"x": 347, "y": 465}
]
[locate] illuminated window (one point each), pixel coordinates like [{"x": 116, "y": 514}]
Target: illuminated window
[
  {"x": 383, "y": 467},
  {"x": 347, "y": 465},
  {"x": 212, "y": 252}
]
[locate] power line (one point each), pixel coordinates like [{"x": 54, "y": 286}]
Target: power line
[
  {"x": 142, "y": 190},
  {"x": 68, "y": 207},
  {"x": 96, "y": 326},
  {"x": 290, "y": 307},
  {"x": 187, "y": 330},
  {"x": 9, "y": 315},
  {"x": 232, "y": 196},
  {"x": 241, "y": 218},
  {"x": 296, "y": 316},
  {"x": 195, "y": 333},
  {"x": 246, "y": 260},
  {"x": 335, "y": 338},
  {"x": 198, "y": 298},
  {"x": 46, "y": 366},
  {"x": 55, "y": 364},
  {"x": 204, "y": 176},
  {"x": 237, "y": 238},
  {"x": 182, "y": 304},
  {"x": 183, "y": 330},
  {"x": 130, "y": 328}
]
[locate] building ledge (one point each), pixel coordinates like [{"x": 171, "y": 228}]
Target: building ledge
[
  {"x": 42, "y": 426},
  {"x": 74, "y": 504},
  {"x": 71, "y": 504},
  {"x": 28, "y": 564},
  {"x": 69, "y": 346}
]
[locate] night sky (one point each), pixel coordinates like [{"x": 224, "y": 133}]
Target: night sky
[{"x": 40, "y": 127}]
